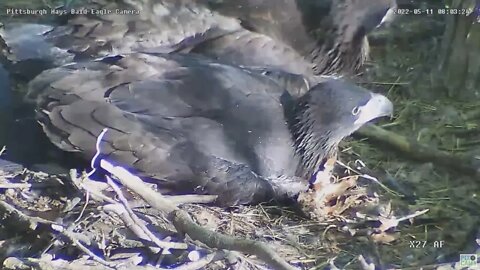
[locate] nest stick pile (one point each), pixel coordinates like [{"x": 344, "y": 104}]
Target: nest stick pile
[{"x": 123, "y": 223}]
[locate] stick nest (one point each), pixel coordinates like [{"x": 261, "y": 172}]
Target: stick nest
[{"x": 73, "y": 222}]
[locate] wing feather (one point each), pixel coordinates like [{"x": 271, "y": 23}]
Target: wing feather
[{"x": 192, "y": 125}]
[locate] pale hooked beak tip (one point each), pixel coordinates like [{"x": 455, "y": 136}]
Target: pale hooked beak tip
[{"x": 378, "y": 106}]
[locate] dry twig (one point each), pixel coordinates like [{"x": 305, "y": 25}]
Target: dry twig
[
  {"x": 33, "y": 221},
  {"x": 81, "y": 246},
  {"x": 138, "y": 223}
]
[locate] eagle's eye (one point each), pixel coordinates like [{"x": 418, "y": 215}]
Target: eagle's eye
[{"x": 355, "y": 110}]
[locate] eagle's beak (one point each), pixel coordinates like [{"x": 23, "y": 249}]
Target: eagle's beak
[
  {"x": 377, "y": 106},
  {"x": 388, "y": 18}
]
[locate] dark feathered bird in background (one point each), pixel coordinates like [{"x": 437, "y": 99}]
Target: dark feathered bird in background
[
  {"x": 308, "y": 37},
  {"x": 328, "y": 35},
  {"x": 196, "y": 126}
]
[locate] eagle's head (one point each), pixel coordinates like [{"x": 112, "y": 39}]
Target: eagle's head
[{"x": 328, "y": 113}]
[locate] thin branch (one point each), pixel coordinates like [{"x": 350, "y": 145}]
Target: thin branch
[
  {"x": 193, "y": 198},
  {"x": 32, "y": 220},
  {"x": 139, "y": 222},
  {"x": 121, "y": 212},
  {"x": 419, "y": 151},
  {"x": 16, "y": 185},
  {"x": 81, "y": 246}
]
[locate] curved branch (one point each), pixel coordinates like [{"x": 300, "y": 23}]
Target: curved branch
[{"x": 419, "y": 151}]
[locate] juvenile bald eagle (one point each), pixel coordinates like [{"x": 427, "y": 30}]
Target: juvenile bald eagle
[
  {"x": 197, "y": 126},
  {"x": 308, "y": 37}
]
